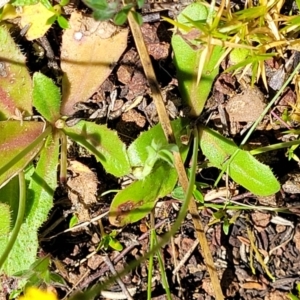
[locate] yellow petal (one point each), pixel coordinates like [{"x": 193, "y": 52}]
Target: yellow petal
[{"x": 34, "y": 293}]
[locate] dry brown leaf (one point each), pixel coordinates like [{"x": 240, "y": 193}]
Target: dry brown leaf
[
  {"x": 82, "y": 189},
  {"x": 89, "y": 50}
]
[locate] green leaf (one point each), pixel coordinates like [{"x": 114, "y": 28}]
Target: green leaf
[
  {"x": 195, "y": 11},
  {"x": 15, "y": 293},
  {"x": 137, "y": 151},
  {"x": 104, "y": 144},
  {"x": 46, "y": 97},
  {"x": 23, "y": 2},
  {"x": 102, "y": 10},
  {"x": 226, "y": 226},
  {"x": 19, "y": 144},
  {"x": 4, "y": 219},
  {"x": 140, "y": 3},
  {"x": 56, "y": 279},
  {"x": 198, "y": 195},
  {"x": 138, "y": 17},
  {"x": 96, "y": 5},
  {"x": 186, "y": 60},
  {"x": 115, "y": 244},
  {"x": 178, "y": 193},
  {"x": 15, "y": 81},
  {"x": 73, "y": 221},
  {"x": 121, "y": 17},
  {"x": 138, "y": 199},
  {"x": 62, "y": 22},
  {"x": 167, "y": 156},
  {"x": 39, "y": 202},
  {"x": 243, "y": 168},
  {"x": 51, "y": 20},
  {"x": 238, "y": 55},
  {"x": 251, "y": 13},
  {"x": 64, "y": 2},
  {"x": 46, "y": 3}
]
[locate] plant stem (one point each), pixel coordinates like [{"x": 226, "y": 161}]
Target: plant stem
[
  {"x": 274, "y": 147},
  {"x": 150, "y": 262}
]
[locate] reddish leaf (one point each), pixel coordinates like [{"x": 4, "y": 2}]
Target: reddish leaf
[
  {"x": 15, "y": 81},
  {"x": 18, "y": 146}
]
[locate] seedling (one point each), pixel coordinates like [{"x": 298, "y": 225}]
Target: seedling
[{"x": 105, "y": 10}]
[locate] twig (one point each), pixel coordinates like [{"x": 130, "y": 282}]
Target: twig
[
  {"x": 120, "y": 282},
  {"x": 77, "y": 226},
  {"x": 117, "y": 295},
  {"x": 76, "y": 284},
  {"x": 186, "y": 257}
]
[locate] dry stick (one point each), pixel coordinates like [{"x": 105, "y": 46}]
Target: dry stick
[
  {"x": 166, "y": 126},
  {"x": 76, "y": 284},
  {"x": 120, "y": 282},
  {"x": 186, "y": 257}
]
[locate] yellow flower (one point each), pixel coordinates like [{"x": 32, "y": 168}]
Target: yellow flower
[{"x": 34, "y": 293}]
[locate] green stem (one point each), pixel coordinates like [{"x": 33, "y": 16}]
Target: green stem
[
  {"x": 274, "y": 147},
  {"x": 164, "y": 278},
  {"x": 269, "y": 105},
  {"x": 19, "y": 220},
  {"x": 63, "y": 158},
  {"x": 150, "y": 262}
]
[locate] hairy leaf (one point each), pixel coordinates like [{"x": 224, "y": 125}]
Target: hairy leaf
[
  {"x": 39, "y": 202},
  {"x": 4, "y": 219},
  {"x": 15, "y": 81},
  {"x": 46, "y": 97},
  {"x": 138, "y": 199},
  {"x": 19, "y": 144},
  {"x": 104, "y": 144},
  {"x": 243, "y": 168}
]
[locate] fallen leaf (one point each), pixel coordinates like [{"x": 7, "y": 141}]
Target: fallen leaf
[
  {"x": 89, "y": 51},
  {"x": 37, "y": 17},
  {"x": 82, "y": 188}
]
